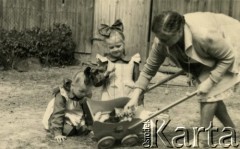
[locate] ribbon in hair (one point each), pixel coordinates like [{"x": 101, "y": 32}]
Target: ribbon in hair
[{"x": 106, "y": 30}]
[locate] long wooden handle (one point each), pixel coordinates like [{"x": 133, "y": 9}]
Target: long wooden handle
[
  {"x": 164, "y": 109},
  {"x": 165, "y": 80}
]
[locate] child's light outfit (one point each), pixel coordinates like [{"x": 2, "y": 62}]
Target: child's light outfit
[
  {"x": 63, "y": 110},
  {"x": 120, "y": 82}
]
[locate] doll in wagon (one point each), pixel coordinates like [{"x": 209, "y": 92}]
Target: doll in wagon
[{"x": 117, "y": 73}]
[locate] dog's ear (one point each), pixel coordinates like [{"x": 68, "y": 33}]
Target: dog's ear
[
  {"x": 87, "y": 71},
  {"x": 67, "y": 84}
]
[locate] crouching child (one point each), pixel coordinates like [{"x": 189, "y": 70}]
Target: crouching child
[{"x": 64, "y": 115}]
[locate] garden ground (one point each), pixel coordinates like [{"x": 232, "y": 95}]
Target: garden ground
[{"x": 24, "y": 97}]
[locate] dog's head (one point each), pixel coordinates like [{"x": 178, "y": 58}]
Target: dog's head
[{"x": 80, "y": 85}]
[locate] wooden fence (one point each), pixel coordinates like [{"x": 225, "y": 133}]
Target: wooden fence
[{"x": 84, "y": 17}]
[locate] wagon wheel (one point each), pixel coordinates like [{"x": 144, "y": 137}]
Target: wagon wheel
[
  {"x": 130, "y": 140},
  {"x": 106, "y": 142},
  {"x": 140, "y": 137}
]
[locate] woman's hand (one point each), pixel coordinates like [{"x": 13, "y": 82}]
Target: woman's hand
[
  {"x": 205, "y": 86},
  {"x": 129, "y": 107},
  {"x": 60, "y": 138}
]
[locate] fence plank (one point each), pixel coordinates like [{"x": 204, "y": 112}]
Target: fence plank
[
  {"x": 1, "y": 14},
  {"x": 4, "y": 14},
  {"x": 85, "y": 25},
  {"x": 9, "y": 19},
  {"x": 235, "y": 9}
]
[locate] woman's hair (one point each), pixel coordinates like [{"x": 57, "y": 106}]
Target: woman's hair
[{"x": 168, "y": 22}]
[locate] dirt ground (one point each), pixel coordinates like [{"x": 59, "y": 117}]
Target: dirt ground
[{"x": 24, "y": 97}]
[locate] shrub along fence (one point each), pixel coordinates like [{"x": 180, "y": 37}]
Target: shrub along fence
[{"x": 53, "y": 46}]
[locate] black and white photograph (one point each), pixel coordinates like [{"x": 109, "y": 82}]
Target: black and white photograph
[{"x": 119, "y": 74}]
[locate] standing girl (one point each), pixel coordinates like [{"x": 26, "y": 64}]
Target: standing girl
[{"x": 121, "y": 72}]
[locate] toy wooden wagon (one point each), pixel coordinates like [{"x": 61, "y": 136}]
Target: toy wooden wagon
[
  {"x": 128, "y": 133},
  {"x": 107, "y": 133}
]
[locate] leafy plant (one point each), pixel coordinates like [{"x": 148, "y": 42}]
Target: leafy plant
[{"x": 53, "y": 46}]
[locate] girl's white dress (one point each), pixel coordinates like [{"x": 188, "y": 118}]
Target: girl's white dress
[{"x": 120, "y": 82}]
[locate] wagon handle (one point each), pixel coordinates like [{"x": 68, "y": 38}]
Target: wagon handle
[
  {"x": 164, "y": 109},
  {"x": 164, "y": 80}
]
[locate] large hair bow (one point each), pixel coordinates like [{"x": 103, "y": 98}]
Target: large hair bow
[{"x": 106, "y": 30}]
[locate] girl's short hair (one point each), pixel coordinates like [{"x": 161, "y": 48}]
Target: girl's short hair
[{"x": 168, "y": 22}]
